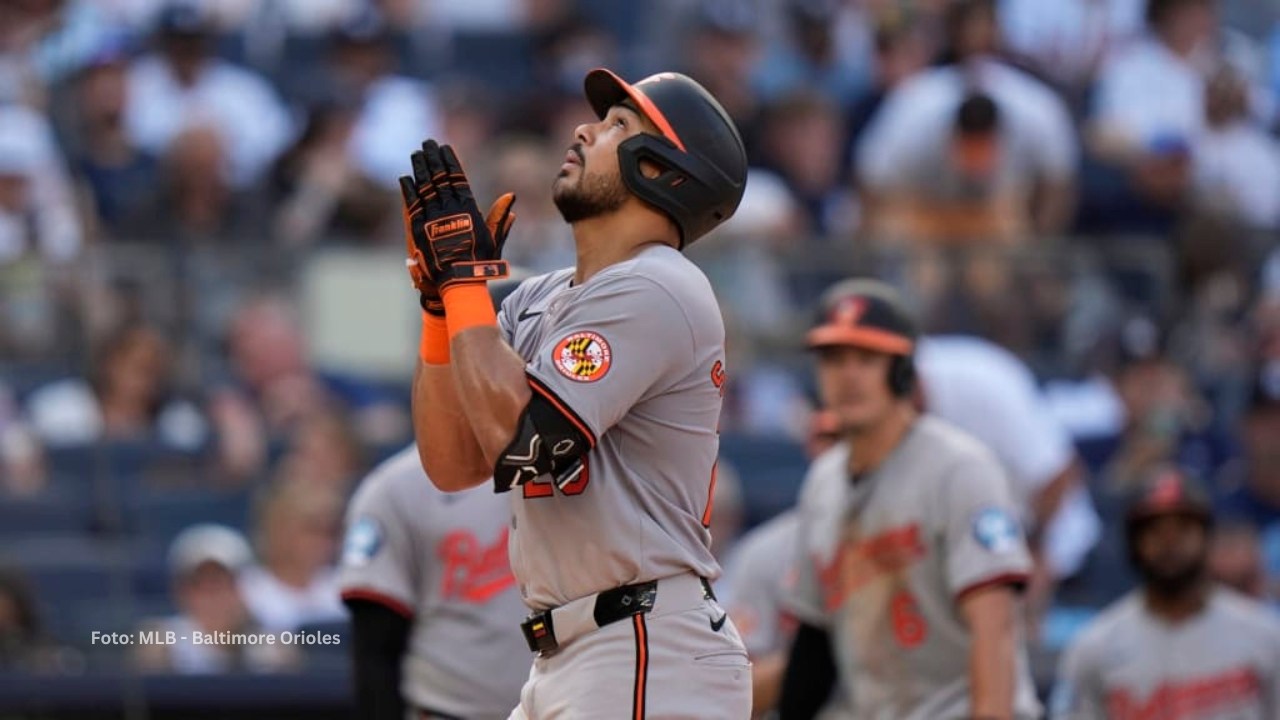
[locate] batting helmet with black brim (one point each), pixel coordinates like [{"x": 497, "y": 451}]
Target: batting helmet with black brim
[
  {"x": 1163, "y": 492},
  {"x": 869, "y": 314},
  {"x": 698, "y": 151}
]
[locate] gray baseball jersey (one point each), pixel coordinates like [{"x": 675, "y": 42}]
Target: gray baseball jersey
[
  {"x": 759, "y": 575},
  {"x": 441, "y": 560},
  {"x": 886, "y": 559},
  {"x": 1223, "y": 664},
  {"x": 634, "y": 357}
]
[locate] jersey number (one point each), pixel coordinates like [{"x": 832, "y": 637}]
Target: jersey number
[
  {"x": 545, "y": 488},
  {"x": 909, "y": 628}
]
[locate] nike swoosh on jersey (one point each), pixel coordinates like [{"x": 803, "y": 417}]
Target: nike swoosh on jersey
[
  {"x": 717, "y": 624},
  {"x": 525, "y": 315}
]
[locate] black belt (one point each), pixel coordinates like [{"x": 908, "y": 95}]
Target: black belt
[{"x": 611, "y": 606}]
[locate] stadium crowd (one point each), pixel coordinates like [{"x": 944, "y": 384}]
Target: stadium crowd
[{"x": 186, "y": 185}]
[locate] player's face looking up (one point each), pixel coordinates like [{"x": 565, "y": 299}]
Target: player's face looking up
[
  {"x": 1172, "y": 553},
  {"x": 854, "y": 386},
  {"x": 589, "y": 183}
]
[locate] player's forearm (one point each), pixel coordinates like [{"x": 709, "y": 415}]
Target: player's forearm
[
  {"x": 380, "y": 639},
  {"x": 491, "y": 376},
  {"x": 992, "y": 653},
  {"x": 447, "y": 446},
  {"x": 766, "y": 682}
]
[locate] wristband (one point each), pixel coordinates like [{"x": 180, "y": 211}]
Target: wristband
[
  {"x": 433, "y": 349},
  {"x": 468, "y": 305}
]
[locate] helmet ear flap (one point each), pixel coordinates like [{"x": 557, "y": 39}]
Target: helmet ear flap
[
  {"x": 684, "y": 188},
  {"x": 902, "y": 375}
]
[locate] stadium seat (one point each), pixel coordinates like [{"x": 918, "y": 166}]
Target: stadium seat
[
  {"x": 51, "y": 512},
  {"x": 159, "y": 515}
]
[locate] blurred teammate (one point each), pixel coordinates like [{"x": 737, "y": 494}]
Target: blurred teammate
[
  {"x": 434, "y": 607},
  {"x": 1178, "y": 648},
  {"x": 595, "y": 400},
  {"x": 911, "y": 550},
  {"x": 759, "y": 577}
]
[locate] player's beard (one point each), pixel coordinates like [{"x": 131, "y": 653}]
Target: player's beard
[
  {"x": 1173, "y": 583},
  {"x": 591, "y": 196}
]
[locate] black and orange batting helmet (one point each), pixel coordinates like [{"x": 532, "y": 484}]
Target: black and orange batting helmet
[
  {"x": 703, "y": 165},
  {"x": 869, "y": 314}
]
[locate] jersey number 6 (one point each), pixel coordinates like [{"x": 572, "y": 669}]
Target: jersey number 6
[{"x": 909, "y": 628}]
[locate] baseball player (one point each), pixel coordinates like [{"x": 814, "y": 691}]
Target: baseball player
[
  {"x": 594, "y": 401},
  {"x": 433, "y": 603},
  {"x": 911, "y": 552},
  {"x": 1177, "y": 648},
  {"x": 759, "y": 577}
]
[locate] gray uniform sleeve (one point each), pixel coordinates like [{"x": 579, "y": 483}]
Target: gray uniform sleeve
[
  {"x": 984, "y": 542},
  {"x": 377, "y": 552},
  {"x": 754, "y": 593},
  {"x": 1077, "y": 692},
  {"x": 509, "y": 312},
  {"x": 622, "y": 340},
  {"x": 803, "y": 596}
]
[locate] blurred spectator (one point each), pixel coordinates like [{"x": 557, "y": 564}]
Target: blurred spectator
[
  {"x": 1152, "y": 92},
  {"x": 321, "y": 194},
  {"x": 901, "y": 51},
  {"x": 826, "y": 48},
  {"x": 200, "y": 203},
  {"x": 127, "y": 396},
  {"x": 991, "y": 394},
  {"x": 1164, "y": 417},
  {"x": 974, "y": 149},
  {"x": 470, "y": 118},
  {"x": 123, "y": 179},
  {"x": 23, "y": 645},
  {"x": 1067, "y": 40},
  {"x": 267, "y": 351},
  {"x": 204, "y": 562},
  {"x": 23, "y": 469},
  {"x": 182, "y": 86},
  {"x": 296, "y": 531},
  {"x": 1236, "y": 168},
  {"x": 1162, "y": 421},
  {"x": 1249, "y": 489},
  {"x": 44, "y": 41},
  {"x": 392, "y": 113},
  {"x": 37, "y": 212},
  {"x": 721, "y": 52},
  {"x": 800, "y": 132},
  {"x": 563, "y": 53},
  {"x": 324, "y": 452},
  {"x": 1235, "y": 559},
  {"x": 542, "y": 241},
  {"x": 273, "y": 386}
]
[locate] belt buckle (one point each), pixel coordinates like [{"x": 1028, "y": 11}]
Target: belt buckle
[{"x": 539, "y": 632}]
